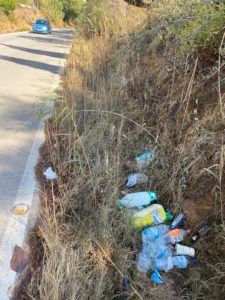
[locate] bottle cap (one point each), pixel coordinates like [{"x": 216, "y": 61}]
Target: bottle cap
[
  {"x": 169, "y": 216},
  {"x": 188, "y": 231}
]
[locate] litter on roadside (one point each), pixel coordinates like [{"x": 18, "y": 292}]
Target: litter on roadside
[
  {"x": 137, "y": 199},
  {"x": 19, "y": 260},
  {"x": 141, "y": 161},
  {"x": 136, "y": 178},
  {"x": 184, "y": 250},
  {"x": 20, "y": 209},
  {"x": 200, "y": 233},
  {"x": 50, "y": 174},
  {"x": 153, "y": 214},
  {"x": 126, "y": 284},
  {"x": 38, "y": 233},
  {"x": 161, "y": 249},
  {"x": 177, "y": 221}
]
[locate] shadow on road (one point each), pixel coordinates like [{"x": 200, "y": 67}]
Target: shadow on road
[
  {"x": 35, "y": 51},
  {"x": 32, "y": 64},
  {"x": 58, "y": 37}
]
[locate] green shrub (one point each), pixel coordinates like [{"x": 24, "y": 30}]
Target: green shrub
[
  {"x": 72, "y": 9},
  {"x": 97, "y": 17},
  {"x": 201, "y": 30},
  {"x": 53, "y": 9},
  {"x": 8, "y": 5},
  {"x": 205, "y": 30},
  {"x": 139, "y": 2}
]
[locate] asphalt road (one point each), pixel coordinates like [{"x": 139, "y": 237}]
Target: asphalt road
[{"x": 29, "y": 71}]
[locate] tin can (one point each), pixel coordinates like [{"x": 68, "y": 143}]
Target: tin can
[{"x": 178, "y": 220}]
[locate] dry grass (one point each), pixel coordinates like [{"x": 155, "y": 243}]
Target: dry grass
[{"x": 119, "y": 100}]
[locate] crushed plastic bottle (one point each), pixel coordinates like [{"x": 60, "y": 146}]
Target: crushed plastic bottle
[
  {"x": 174, "y": 236},
  {"x": 144, "y": 258},
  {"x": 181, "y": 262},
  {"x": 142, "y": 160},
  {"x": 163, "y": 264},
  {"x": 168, "y": 263},
  {"x": 50, "y": 174},
  {"x": 136, "y": 178},
  {"x": 152, "y": 215},
  {"x": 149, "y": 234},
  {"x": 126, "y": 284},
  {"x": 137, "y": 199},
  {"x": 150, "y": 251}
]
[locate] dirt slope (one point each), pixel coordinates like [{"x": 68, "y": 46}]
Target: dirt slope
[{"x": 20, "y": 19}]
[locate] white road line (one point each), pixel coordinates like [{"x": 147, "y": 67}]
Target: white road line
[{"x": 17, "y": 225}]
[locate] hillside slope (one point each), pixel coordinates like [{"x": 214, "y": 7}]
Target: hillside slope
[{"x": 20, "y": 19}]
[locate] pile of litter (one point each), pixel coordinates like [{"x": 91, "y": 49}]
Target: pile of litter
[{"x": 161, "y": 248}]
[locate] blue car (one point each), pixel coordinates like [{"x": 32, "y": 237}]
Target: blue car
[{"x": 42, "y": 26}]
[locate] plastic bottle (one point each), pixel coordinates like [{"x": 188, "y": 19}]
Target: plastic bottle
[
  {"x": 144, "y": 259},
  {"x": 174, "y": 236},
  {"x": 163, "y": 250},
  {"x": 137, "y": 199},
  {"x": 142, "y": 160},
  {"x": 163, "y": 264},
  {"x": 136, "y": 178},
  {"x": 177, "y": 221},
  {"x": 126, "y": 284},
  {"x": 149, "y": 252},
  {"x": 182, "y": 262},
  {"x": 203, "y": 231},
  {"x": 154, "y": 214},
  {"x": 168, "y": 263},
  {"x": 151, "y": 233}
]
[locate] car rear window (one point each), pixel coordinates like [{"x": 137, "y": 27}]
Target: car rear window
[{"x": 43, "y": 22}]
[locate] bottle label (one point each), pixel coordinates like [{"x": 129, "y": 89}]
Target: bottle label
[
  {"x": 157, "y": 217},
  {"x": 176, "y": 235}
]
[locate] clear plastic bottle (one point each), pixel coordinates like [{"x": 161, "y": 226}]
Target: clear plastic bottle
[
  {"x": 144, "y": 259},
  {"x": 181, "y": 262},
  {"x": 163, "y": 264},
  {"x": 151, "y": 233},
  {"x": 168, "y": 263},
  {"x": 136, "y": 178},
  {"x": 150, "y": 252},
  {"x": 137, "y": 199},
  {"x": 142, "y": 160},
  {"x": 174, "y": 236}
]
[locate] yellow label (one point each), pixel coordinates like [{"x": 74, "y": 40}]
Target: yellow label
[{"x": 153, "y": 214}]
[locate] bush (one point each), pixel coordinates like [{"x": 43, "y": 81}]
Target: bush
[
  {"x": 95, "y": 18},
  {"x": 53, "y": 9},
  {"x": 72, "y": 9},
  {"x": 8, "y": 5},
  {"x": 204, "y": 31},
  {"x": 139, "y": 2}
]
